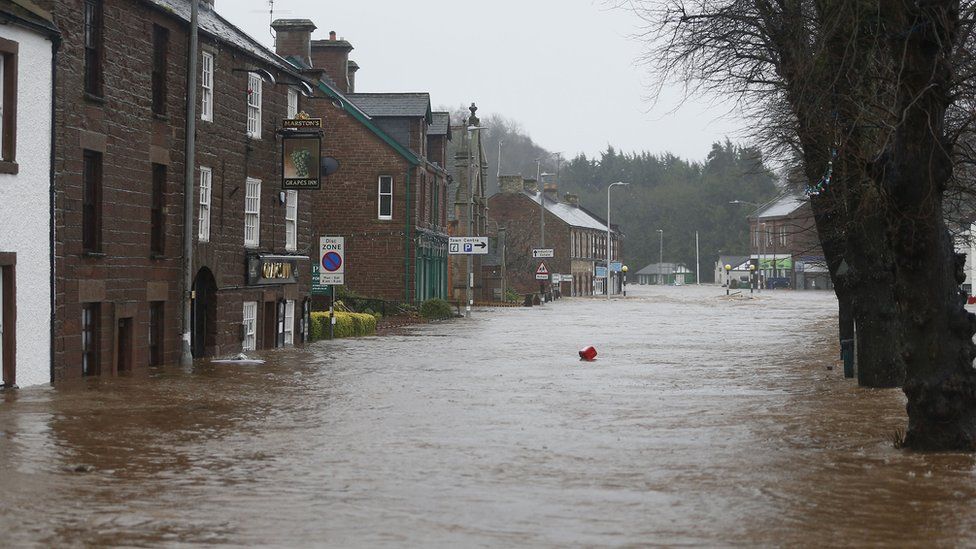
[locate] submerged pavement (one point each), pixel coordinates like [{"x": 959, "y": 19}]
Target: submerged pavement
[{"x": 704, "y": 421}]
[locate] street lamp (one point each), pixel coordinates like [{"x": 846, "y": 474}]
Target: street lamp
[
  {"x": 762, "y": 246},
  {"x": 660, "y": 257},
  {"x": 607, "y": 279},
  {"x": 752, "y": 277},
  {"x": 624, "y": 285},
  {"x": 728, "y": 278}
]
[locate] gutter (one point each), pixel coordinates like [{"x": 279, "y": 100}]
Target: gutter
[
  {"x": 52, "y": 194},
  {"x": 406, "y": 244}
]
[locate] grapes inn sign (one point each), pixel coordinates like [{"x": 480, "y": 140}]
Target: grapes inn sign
[{"x": 301, "y": 153}]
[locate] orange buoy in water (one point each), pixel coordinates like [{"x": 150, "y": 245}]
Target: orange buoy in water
[{"x": 587, "y": 353}]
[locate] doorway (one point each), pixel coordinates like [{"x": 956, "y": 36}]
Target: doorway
[
  {"x": 269, "y": 325},
  {"x": 204, "y": 314},
  {"x": 124, "y": 361},
  {"x": 8, "y": 319}
]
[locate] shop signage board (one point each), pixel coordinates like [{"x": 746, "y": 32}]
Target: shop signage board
[
  {"x": 265, "y": 269},
  {"x": 301, "y": 153},
  {"x": 616, "y": 266},
  {"x": 601, "y": 272},
  {"x": 332, "y": 260}
]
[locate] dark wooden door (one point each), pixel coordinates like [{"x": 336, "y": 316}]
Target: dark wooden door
[
  {"x": 269, "y": 325},
  {"x": 125, "y": 345}
]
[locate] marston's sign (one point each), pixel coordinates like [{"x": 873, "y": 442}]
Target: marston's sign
[
  {"x": 302, "y": 123},
  {"x": 271, "y": 269}
]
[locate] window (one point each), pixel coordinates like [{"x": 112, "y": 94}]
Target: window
[
  {"x": 386, "y": 197},
  {"x": 290, "y": 322},
  {"x": 253, "y": 106},
  {"x": 89, "y": 339},
  {"x": 206, "y": 81},
  {"x": 291, "y": 220},
  {"x": 250, "y": 322},
  {"x": 782, "y": 235},
  {"x": 292, "y": 103},
  {"x": 93, "y": 47},
  {"x": 252, "y": 213},
  {"x": 156, "y": 333},
  {"x": 157, "y": 219},
  {"x": 206, "y": 181},
  {"x": 8, "y": 106},
  {"x": 160, "y": 47},
  {"x": 91, "y": 215}
]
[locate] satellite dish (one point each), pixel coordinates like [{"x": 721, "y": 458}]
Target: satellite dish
[{"x": 328, "y": 165}]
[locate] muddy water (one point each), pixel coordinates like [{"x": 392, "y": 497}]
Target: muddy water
[{"x": 704, "y": 421}]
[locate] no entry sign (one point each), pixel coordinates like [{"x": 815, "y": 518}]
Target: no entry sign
[{"x": 332, "y": 262}]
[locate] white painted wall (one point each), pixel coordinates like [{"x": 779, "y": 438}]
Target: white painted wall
[{"x": 25, "y": 206}]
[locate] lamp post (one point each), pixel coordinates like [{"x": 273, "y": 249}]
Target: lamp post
[
  {"x": 728, "y": 278},
  {"x": 660, "y": 256},
  {"x": 762, "y": 245},
  {"x": 624, "y": 285},
  {"x": 472, "y": 130},
  {"x": 607, "y": 279},
  {"x": 752, "y": 277}
]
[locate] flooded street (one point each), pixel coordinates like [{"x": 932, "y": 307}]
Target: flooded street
[{"x": 704, "y": 421}]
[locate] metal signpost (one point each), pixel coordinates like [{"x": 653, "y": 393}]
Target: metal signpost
[
  {"x": 332, "y": 268},
  {"x": 468, "y": 245}
]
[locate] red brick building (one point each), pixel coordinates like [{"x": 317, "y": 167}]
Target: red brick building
[
  {"x": 577, "y": 236},
  {"x": 785, "y": 244},
  {"x": 119, "y": 176},
  {"x": 388, "y": 197}
]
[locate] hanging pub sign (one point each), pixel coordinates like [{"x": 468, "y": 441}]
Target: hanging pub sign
[
  {"x": 301, "y": 153},
  {"x": 265, "y": 269}
]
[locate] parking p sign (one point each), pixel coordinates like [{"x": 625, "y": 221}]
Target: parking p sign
[{"x": 332, "y": 260}]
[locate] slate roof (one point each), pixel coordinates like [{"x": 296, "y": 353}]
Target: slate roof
[
  {"x": 213, "y": 24},
  {"x": 664, "y": 268},
  {"x": 782, "y": 206},
  {"x": 441, "y": 124},
  {"x": 393, "y": 105},
  {"x": 738, "y": 262},
  {"x": 572, "y": 215}
]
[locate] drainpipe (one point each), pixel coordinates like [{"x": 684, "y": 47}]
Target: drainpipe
[
  {"x": 407, "y": 242},
  {"x": 52, "y": 194},
  {"x": 186, "y": 357}
]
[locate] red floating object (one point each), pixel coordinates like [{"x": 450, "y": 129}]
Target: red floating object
[{"x": 587, "y": 353}]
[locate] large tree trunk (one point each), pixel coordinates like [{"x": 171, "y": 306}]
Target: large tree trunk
[{"x": 937, "y": 332}]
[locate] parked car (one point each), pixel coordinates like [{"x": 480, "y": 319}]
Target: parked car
[{"x": 777, "y": 282}]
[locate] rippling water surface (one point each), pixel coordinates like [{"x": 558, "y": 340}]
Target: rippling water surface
[{"x": 705, "y": 421}]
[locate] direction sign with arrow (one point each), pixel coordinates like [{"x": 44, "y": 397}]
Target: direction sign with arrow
[{"x": 468, "y": 245}]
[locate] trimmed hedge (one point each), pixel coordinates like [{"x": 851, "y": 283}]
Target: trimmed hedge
[
  {"x": 347, "y": 325},
  {"x": 435, "y": 309}
]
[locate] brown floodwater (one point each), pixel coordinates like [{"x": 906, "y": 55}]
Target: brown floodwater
[{"x": 704, "y": 421}]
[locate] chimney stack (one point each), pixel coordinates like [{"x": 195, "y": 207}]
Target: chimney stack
[
  {"x": 530, "y": 186},
  {"x": 332, "y": 56},
  {"x": 510, "y": 184},
  {"x": 551, "y": 192},
  {"x": 294, "y": 38},
  {"x": 351, "y": 69},
  {"x": 572, "y": 199}
]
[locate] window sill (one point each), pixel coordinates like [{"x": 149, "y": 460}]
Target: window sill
[
  {"x": 384, "y": 219},
  {"x": 157, "y": 256},
  {"x": 161, "y": 117},
  {"x": 95, "y": 255},
  {"x": 9, "y": 167},
  {"x": 92, "y": 98}
]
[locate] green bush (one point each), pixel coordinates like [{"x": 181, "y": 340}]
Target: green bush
[
  {"x": 435, "y": 309},
  {"x": 347, "y": 325}
]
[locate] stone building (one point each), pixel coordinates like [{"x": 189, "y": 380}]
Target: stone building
[
  {"x": 28, "y": 42},
  {"x": 577, "y": 236},
  {"x": 388, "y": 197},
  {"x": 785, "y": 245},
  {"x": 119, "y": 174}
]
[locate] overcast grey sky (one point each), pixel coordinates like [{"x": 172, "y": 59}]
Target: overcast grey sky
[{"x": 565, "y": 69}]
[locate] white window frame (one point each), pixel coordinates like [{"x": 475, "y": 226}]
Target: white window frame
[
  {"x": 290, "y": 322},
  {"x": 206, "y": 193},
  {"x": 291, "y": 220},
  {"x": 252, "y": 213},
  {"x": 253, "y": 106},
  {"x": 207, "y": 87},
  {"x": 292, "y": 102},
  {"x": 250, "y": 321},
  {"x": 379, "y": 197}
]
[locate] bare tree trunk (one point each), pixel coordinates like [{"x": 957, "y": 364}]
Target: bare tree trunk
[{"x": 937, "y": 332}]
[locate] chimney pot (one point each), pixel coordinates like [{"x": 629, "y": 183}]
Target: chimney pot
[{"x": 332, "y": 35}]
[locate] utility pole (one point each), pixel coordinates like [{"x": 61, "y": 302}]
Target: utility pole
[
  {"x": 186, "y": 356},
  {"x": 697, "y": 262},
  {"x": 498, "y": 172},
  {"x": 470, "y": 282}
]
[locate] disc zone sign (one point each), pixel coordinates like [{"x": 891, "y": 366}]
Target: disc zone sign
[{"x": 332, "y": 263}]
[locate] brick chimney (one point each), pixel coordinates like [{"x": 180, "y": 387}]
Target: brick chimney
[
  {"x": 294, "y": 38},
  {"x": 572, "y": 199},
  {"x": 530, "y": 185},
  {"x": 510, "y": 184},
  {"x": 332, "y": 56},
  {"x": 551, "y": 192},
  {"x": 207, "y": 4},
  {"x": 351, "y": 69}
]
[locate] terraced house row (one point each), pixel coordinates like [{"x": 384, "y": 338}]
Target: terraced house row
[{"x": 92, "y": 182}]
